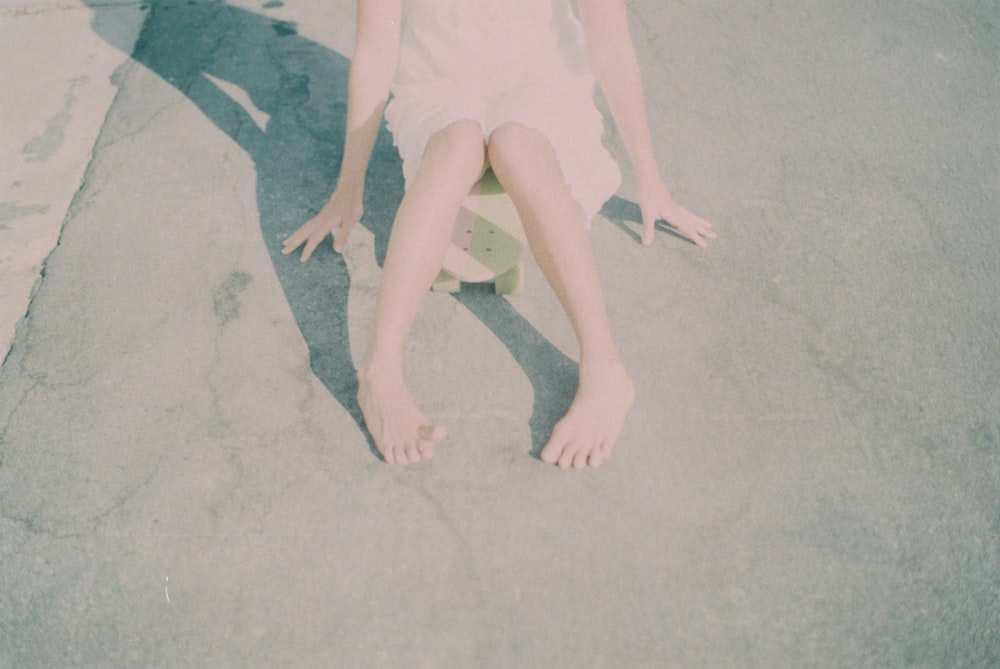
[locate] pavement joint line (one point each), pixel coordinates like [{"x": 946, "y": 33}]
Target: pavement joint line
[{"x": 75, "y": 204}]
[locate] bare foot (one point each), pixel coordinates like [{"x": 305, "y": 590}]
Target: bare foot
[
  {"x": 589, "y": 430},
  {"x": 402, "y": 435}
]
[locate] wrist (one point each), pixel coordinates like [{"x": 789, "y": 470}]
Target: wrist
[
  {"x": 649, "y": 177},
  {"x": 653, "y": 186},
  {"x": 351, "y": 184}
]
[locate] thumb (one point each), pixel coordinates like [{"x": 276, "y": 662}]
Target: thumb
[
  {"x": 648, "y": 227},
  {"x": 340, "y": 239}
]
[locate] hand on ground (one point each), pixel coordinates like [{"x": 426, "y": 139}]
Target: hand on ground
[
  {"x": 658, "y": 204},
  {"x": 337, "y": 218}
]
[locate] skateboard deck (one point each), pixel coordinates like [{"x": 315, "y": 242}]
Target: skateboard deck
[{"x": 487, "y": 242}]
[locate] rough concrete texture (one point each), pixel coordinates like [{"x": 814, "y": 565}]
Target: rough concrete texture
[
  {"x": 811, "y": 474},
  {"x": 54, "y": 74}
]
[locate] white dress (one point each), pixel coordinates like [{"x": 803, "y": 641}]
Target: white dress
[{"x": 493, "y": 61}]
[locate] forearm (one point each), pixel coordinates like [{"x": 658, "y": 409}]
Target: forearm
[
  {"x": 364, "y": 117},
  {"x": 616, "y": 67},
  {"x": 373, "y": 65}
]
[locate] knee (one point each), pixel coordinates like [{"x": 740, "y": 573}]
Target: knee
[
  {"x": 459, "y": 148},
  {"x": 525, "y": 163},
  {"x": 512, "y": 144}
]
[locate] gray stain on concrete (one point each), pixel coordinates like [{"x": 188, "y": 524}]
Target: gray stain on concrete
[
  {"x": 12, "y": 210},
  {"x": 44, "y": 146},
  {"x": 226, "y": 300}
]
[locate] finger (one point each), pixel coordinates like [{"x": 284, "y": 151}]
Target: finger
[
  {"x": 293, "y": 242},
  {"x": 310, "y": 246},
  {"x": 690, "y": 229},
  {"x": 704, "y": 234},
  {"x": 698, "y": 229},
  {"x": 301, "y": 236},
  {"x": 648, "y": 230}
]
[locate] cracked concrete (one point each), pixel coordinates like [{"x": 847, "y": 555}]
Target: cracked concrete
[
  {"x": 53, "y": 106},
  {"x": 810, "y": 474}
]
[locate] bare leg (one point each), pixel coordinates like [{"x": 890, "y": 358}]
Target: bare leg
[
  {"x": 526, "y": 165},
  {"x": 452, "y": 162}
]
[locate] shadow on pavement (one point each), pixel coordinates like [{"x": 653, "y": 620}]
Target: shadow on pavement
[{"x": 302, "y": 87}]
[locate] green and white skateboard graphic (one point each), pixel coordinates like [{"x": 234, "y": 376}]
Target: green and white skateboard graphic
[{"x": 487, "y": 242}]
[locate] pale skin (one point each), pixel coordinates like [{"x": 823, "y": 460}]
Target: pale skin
[{"x": 525, "y": 164}]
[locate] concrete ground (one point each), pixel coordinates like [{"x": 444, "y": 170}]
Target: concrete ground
[{"x": 811, "y": 474}]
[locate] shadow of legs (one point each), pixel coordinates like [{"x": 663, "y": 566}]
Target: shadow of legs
[
  {"x": 302, "y": 87},
  {"x": 553, "y": 376}
]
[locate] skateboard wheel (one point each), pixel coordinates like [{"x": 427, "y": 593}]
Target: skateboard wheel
[
  {"x": 510, "y": 282},
  {"x": 446, "y": 283}
]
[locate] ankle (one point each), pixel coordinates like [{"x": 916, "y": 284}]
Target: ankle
[
  {"x": 603, "y": 374},
  {"x": 600, "y": 363},
  {"x": 377, "y": 368}
]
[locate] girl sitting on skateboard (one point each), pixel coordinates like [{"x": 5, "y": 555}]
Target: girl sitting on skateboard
[{"x": 507, "y": 84}]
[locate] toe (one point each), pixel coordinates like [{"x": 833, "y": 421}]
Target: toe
[
  {"x": 426, "y": 449},
  {"x": 554, "y": 449},
  {"x": 597, "y": 456},
  {"x": 568, "y": 455},
  {"x": 399, "y": 456},
  {"x": 432, "y": 434},
  {"x": 412, "y": 452},
  {"x": 581, "y": 457},
  {"x": 606, "y": 449}
]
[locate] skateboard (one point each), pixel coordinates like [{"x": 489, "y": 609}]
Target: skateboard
[{"x": 487, "y": 243}]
